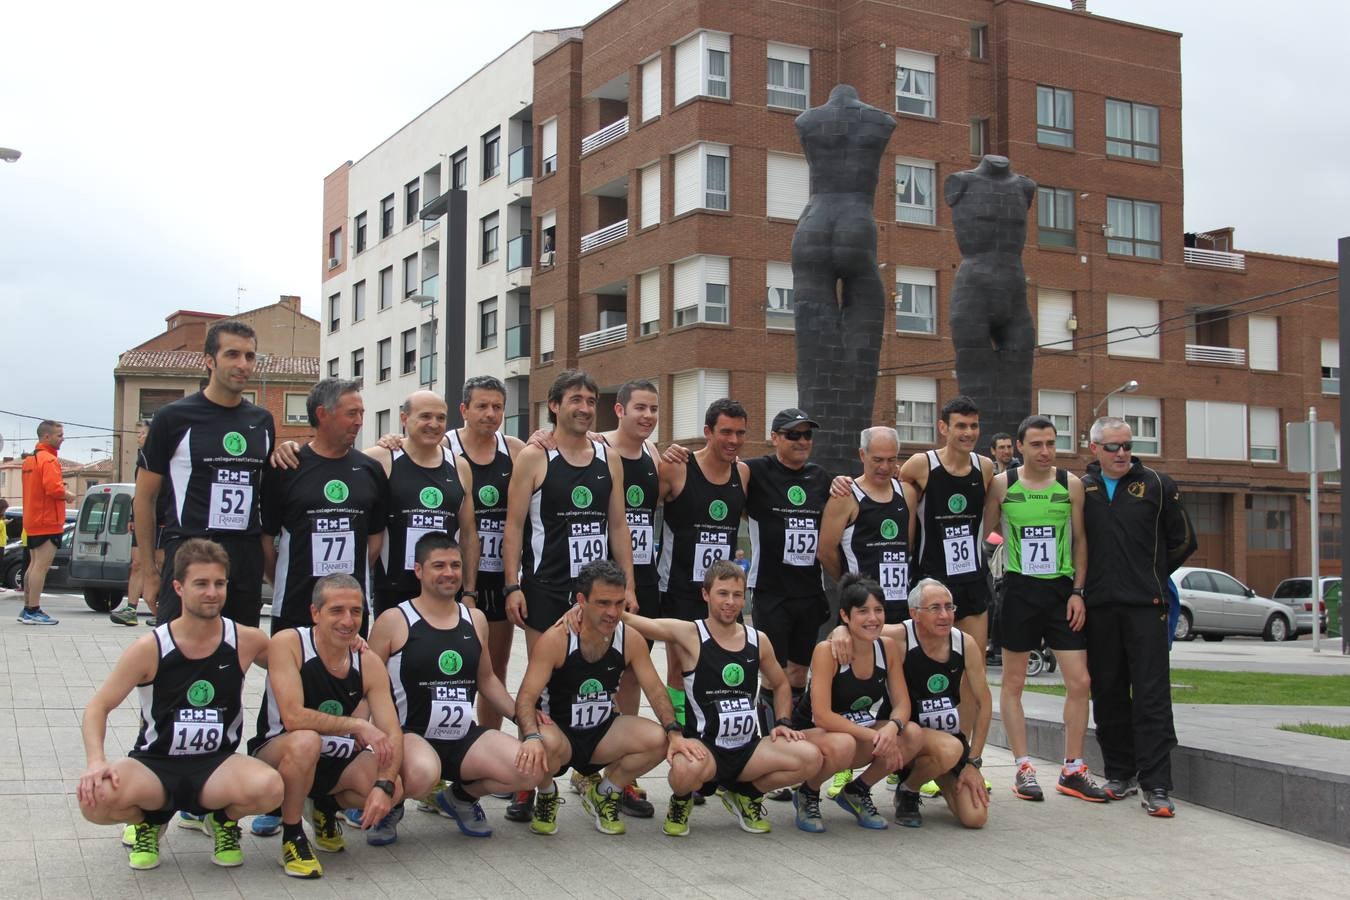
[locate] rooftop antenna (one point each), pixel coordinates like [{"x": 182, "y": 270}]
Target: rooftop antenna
[{"x": 239, "y": 293}]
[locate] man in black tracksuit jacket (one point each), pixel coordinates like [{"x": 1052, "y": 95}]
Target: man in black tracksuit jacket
[{"x": 1137, "y": 534}]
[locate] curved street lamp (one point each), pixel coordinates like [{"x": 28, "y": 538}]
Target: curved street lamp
[
  {"x": 9, "y": 155},
  {"x": 1128, "y": 387}
]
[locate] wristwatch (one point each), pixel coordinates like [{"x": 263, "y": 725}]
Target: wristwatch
[
  {"x": 785, "y": 722},
  {"x": 473, "y": 594},
  {"x": 674, "y": 728},
  {"x": 976, "y": 761},
  {"x": 1078, "y": 591},
  {"x": 509, "y": 590},
  {"x": 385, "y": 785},
  {"x": 899, "y": 726}
]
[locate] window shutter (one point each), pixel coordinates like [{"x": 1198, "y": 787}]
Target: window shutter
[
  {"x": 916, "y": 390},
  {"x": 778, "y": 276},
  {"x": 1263, "y": 343},
  {"x": 649, "y": 297},
  {"x": 910, "y": 275},
  {"x": 788, "y": 53},
  {"x": 1132, "y": 313},
  {"x": 688, "y": 181},
  {"x": 651, "y": 89},
  {"x": 780, "y": 392},
  {"x": 546, "y": 330},
  {"x": 688, "y": 282},
  {"x": 651, "y": 195},
  {"x": 1053, "y": 309},
  {"x": 1331, "y": 353},
  {"x": 714, "y": 40},
  {"x": 910, "y": 59},
  {"x": 716, "y": 270},
  {"x": 688, "y": 69},
  {"x": 789, "y": 185},
  {"x": 1265, "y": 424},
  {"x": 548, "y": 220},
  {"x": 548, "y": 136},
  {"x": 1216, "y": 430}
]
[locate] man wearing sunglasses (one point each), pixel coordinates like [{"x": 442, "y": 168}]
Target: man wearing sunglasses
[{"x": 1137, "y": 534}]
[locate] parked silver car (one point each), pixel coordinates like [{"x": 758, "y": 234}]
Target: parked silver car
[
  {"x": 1214, "y": 605},
  {"x": 1296, "y": 593}
]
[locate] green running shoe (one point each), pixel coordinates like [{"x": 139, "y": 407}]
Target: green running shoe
[
  {"x": 838, "y": 783},
  {"x": 749, "y": 812},
  {"x": 225, "y": 835},
  {"x": 298, "y": 858},
  {"x": 327, "y": 825},
  {"x": 929, "y": 790},
  {"x": 144, "y": 846},
  {"x": 677, "y": 817},
  {"x": 605, "y": 809}
]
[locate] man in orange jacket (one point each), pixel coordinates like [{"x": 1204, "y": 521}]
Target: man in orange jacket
[{"x": 44, "y": 517}]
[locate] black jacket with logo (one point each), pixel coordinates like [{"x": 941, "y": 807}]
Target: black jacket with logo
[{"x": 1136, "y": 539}]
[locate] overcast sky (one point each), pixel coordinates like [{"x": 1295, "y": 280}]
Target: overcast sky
[{"x": 171, "y": 158}]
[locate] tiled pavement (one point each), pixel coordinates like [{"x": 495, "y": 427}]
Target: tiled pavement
[{"x": 1062, "y": 847}]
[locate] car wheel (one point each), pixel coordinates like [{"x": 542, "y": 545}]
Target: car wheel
[
  {"x": 14, "y": 576},
  {"x": 1213, "y": 638},
  {"x": 1183, "y": 630},
  {"x": 1277, "y": 629},
  {"x": 101, "y": 601}
]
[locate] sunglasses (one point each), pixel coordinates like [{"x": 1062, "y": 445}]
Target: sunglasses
[
  {"x": 1117, "y": 446},
  {"x": 803, "y": 435}
]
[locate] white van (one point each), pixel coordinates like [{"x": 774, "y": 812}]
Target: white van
[{"x": 100, "y": 561}]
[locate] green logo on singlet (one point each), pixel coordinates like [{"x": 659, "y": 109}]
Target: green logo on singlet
[
  {"x": 718, "y": 510},
  {"x": 733, "y": 674},
  {"x": 889, "y": 529},
  {"x": 431, "y": 498},
  {"x": 937, "y": 683},
  {"x": 635, "y": 496},
  {"x": 957, "y": 503},
  {"x": 796, "y": 495},
  {"x": 234, "y": 443},
  {"x": 590, "y": 687},
  {"x": 581, "y": 497},
  {"x": 330, "y": 708},
  {"x": 861, "y": 703},
  {"x": 336, "y": 491},
  {"x": 489, "y": 495},
  {"x": 201, "y": 693},
  {"x": 450, "y": 662}
]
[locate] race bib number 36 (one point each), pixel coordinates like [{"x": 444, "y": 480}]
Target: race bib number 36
[
  {"x": 735, "y": 723},
  {"x": 231, "y": 500},
  {"x": 197, "y": 732},
  {"x": 958, "y": 549}
]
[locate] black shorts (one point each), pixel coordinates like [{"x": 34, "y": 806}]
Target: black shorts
[
  {"x": 583, "y": 744},
  {"x": 327, "y": 771},
  {"x": 545, "y": 602},
  {"x": 1034, "y": 609},
  {"x": 386, "y": 598},
  {"x": 971, "y": 597},
  {"x": 35, "y": 541},
  {"x": 687, "y": 605},
  {"x": 731, "y": 763},
  {"x": 243, "y": 593},
  {"x": 452, "y": 753},
  {"x": 490, "y": 599},
  {"x": 183, "y": 778},
  {"x": 792, "y": 624}
]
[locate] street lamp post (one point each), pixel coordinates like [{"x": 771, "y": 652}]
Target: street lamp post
[
  {"x": 9, "y": 155},
  {"x": 1128, "y": 387}
]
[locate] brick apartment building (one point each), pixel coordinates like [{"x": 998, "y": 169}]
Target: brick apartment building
[{"x": 669, "y": 178}]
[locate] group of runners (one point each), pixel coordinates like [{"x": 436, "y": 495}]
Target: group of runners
[{"x": 400, "y": 574}]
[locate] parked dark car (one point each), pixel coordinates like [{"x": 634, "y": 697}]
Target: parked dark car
[{"x": 13, "y": 564}]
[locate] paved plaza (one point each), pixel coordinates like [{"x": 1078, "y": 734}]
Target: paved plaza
[{"x": 1061, "y": 847}]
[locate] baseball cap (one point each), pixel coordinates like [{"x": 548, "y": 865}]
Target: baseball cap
[{"x": 788, "y": 418}]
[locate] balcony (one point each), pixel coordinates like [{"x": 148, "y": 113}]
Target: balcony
[
  {"x": 603, "y": 338},
  {"x": 430, "y": 284},
  {"x": 519, "y": 164},
  {"x": 1224, "y": 356},
  {"x": 605, "y": 136},
  {"x": 607, "y": 235},
  {"x": 515, "y": 425},
  {"x": 1215, "y": 259},
  {"x": 426, "y": 370},
  {"x": 518, "y": 251},
  {"x": 518, "y": 341}
]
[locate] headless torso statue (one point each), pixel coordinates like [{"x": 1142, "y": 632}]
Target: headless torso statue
[
  {"x": 839, "y": 298},
  {"x": 991, "y": 325}
]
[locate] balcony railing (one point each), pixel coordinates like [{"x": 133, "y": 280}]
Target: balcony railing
[
  {"x": 520, "y": 164},
  {"x": 426, "y": 371},
  {"x": 518, "y": 251},
  {"x": 430, "y": 284},
  {"x": 603, "y": 338},
  {"x": 1215, "y": 259},
  {"x": 1229, "y": 356},
  {"x": 518, "y": 341},
  {"x": 607, "y": 135},
  {"x": 515, "y": 425},
  {"x": 606, "y": 235}
]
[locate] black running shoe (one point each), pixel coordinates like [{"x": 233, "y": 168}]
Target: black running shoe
[
  {"x": 1025, "y": 786},
  {"x": 907, "y": 808},
  {"x": 1120, "y": 788},
  {"x": 1080, "y": 784},
  {"x": 781, "y": 795},
  {"x": 521, "y": 807},
  {"x": 1158, "y": 804}
]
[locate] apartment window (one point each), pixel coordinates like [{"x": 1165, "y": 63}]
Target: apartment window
[
  {"x": 386, "y": 298},
  {"x": 703, "y": 66},
  {"x": 492, "y": 153},
  {"x": 384, "y": 352},
  {"x": 916, "y": 300},
  {"x": 1144, "y": 416},
  {"x": 412, "y": 204},
  {"x": 916, "y": 409},
  {"x": 914, "y": 203},
  {"x": 548, "y": 156},
  {"x": 488, "y": 229},
  {"x": 408, "y": 348},
  {"x": 1270, "y": 522},
  {"x": 387, "y": 216},
  {"x": 789, "y": 76},
  {"x": 360, "y": 228},
  {"x": 546, "y": 338},
  {"x": 1329, "y": 535},
  {"x": 358, "y": 362},
  {"x": 1054, "y": 308},
  {"x": 1058, "y": 407},
  {"x": 979, "y": 137},
  {"x": 459, "y": 170},
  {"x": 649, "y": 302},
  {"x": 701, "y": 290},
  {"x": 702, "y": 178},
  {"x": 979, "y": 42},
  {"x": 382, "y": 423},
  {"x": 1054, "y": 116},
  {"x": 487, "y": 324},
  {"x": 334, "y": 313},
  {"x": 1264, "y": 428},
  {"x": 779, "y": 311},
  {"x": 1216, "y": 430},
  {"x": 651, "y": 89},
  {"x": 1132, "y": 130},
  {"x": 333, "y": 370},
  {"x": 296, "y": 413},
  {"x": 1132, "y": 326},
  {"x": 788, "y": 185},
  {"x": 650, "y": 199},
  {"x": 1054, "y": 217},
  {"x": 410, "y": 283},
  {"x": 1133, "y": 228},
  {"x": 780, "y": 392},
  {"x": 1331, "y": 366},
  {"x": 426, "y": 361},
  {"x": 358, "y": 301},
  {"x": 915, "y": 83},
  {"x": 334, "y": 248},
  {"x": 1263, "y": 343},
  {"x": 691, "y": 392}
]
